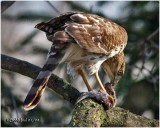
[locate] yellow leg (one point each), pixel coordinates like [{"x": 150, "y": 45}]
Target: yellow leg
[
  {"x": 99, "y": 82},
  {"x": 81, "y": 72},
  {"x": 102, "y": 87}
]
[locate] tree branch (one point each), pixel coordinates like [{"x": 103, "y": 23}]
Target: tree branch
[
  {"x": 89, "y": 113},
  {"x": 55, "y": 83}
]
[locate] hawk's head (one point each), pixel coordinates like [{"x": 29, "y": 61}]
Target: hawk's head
[{"x": 115, "y": 67}]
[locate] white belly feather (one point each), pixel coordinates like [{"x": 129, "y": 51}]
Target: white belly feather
[{"x": 91, "y": 61}]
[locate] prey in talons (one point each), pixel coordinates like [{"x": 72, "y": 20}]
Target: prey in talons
[{"x": 108, "y": 100}]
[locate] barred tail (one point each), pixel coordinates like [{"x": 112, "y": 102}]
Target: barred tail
[{"x": 56, "y": 54}]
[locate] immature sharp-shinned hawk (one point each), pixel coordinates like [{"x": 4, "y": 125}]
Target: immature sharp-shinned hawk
[{"x": 81, "y": 40}]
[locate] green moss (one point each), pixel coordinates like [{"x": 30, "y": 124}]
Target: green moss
[
  {"x": 67, "y": 86},
  {"x": 88, "y": 113}
]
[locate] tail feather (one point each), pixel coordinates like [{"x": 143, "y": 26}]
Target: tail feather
[
  {"x": 35, "y": 93},
  {"x": 56, "y": 54},
  {"x": 41, "y": 81}
]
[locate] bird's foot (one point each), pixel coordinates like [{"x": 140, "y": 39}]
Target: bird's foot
[{"x": 99, "y": 96}]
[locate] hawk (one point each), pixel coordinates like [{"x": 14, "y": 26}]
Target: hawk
[{"x": 84, "y": 41}]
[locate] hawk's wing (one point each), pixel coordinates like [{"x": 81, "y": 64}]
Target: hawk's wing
[
  {"x": 96, "y": 34},
  {"x": 91, "y": 32}
]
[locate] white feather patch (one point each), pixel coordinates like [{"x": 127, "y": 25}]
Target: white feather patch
[
  {"x": 82, "y": 17},
  {"x": 95, "y": 20},
  {"x": 71, "y": 72},
  {"x": 115, "y": 51},
  {"x": 52, "y": 53},
  {"x": 94, "y": 67},
  {"x": 99, "y": 45}
]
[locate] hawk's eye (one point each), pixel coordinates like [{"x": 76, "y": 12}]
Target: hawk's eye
[{"x": 120, "y": 73}]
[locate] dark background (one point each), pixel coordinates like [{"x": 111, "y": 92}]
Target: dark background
[{"x": 137, "y": 92}]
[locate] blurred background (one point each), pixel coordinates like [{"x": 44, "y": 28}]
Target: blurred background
[{"x": 137, "y": 92}]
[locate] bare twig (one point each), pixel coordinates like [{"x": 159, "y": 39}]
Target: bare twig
[
  {"x": 77, "y": 6},
  {"x": 54, "y": 8},
  {"x": 5, "y": 5},
  {"x": 153, "y": 34}
]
